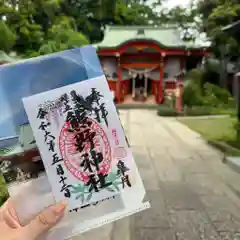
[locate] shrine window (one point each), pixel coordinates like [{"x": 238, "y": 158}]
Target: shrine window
[
  {"x": 166, "y": 75},
  {"x": 114, "y": 75},
  {"x": 140, "y": 32}
]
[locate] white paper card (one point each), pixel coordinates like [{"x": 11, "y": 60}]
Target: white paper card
[{"x": 82, "y": 143}]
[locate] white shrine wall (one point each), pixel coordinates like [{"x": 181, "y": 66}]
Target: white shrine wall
[
  {"x": 155, "y": 74},
  {"x": 109, "y": 65},
  {"x": 172, "y": 67}
]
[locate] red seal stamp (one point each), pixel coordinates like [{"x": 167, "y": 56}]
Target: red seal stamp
[
  {"x": 114, "y": 133},
  {"x": 73, "y": 158}
]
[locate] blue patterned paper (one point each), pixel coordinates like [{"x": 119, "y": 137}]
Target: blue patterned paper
[{"x": 37, "y": 75}]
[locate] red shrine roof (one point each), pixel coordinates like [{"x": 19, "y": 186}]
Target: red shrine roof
[{"x": 166, "y": 37}]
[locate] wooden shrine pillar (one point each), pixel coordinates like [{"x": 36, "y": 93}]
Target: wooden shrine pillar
[
  {"x": 119, "y": 80},
  {"x": 160, "y": 84},
  {"x": 145, "y": 85},
  {"x": 133, "y": 85}
]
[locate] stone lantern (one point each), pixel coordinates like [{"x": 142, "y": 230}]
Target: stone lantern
[{"x": 179, "y": 89}]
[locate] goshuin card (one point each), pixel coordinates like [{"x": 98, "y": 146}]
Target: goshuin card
[{"x": 81, "y": 141}]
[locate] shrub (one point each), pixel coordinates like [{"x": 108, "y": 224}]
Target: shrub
[
  {"x": 237, "y": 128},
  {"x": 231, "y": 103},
  {"x": 210, "y": 98},
  {"x": 192, "y": 95},
  {"x": 200, "y": 92},
  {"x": 217, "y": 96},
  {"x": 195, "y": 76},
  {"x": 192, "y": 92},
  {"x": 166, "y": 111},
  {"x": 211, "y": 95}
]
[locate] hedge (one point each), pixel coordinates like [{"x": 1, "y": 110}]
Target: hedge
[
  {"x": 194, "y": 111},
  {"x": 166, "y": 111}
]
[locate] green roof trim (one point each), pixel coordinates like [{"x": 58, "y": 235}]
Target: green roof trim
[
  {"x": 5, "y": 58},
  {"x": 166, "y": 37}
]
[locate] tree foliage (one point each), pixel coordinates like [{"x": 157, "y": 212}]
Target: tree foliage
[
  {"x": 183, "y": 17},
  {"x": 200, "y": 91},
  {"x": 209, "y": 17},
  {"x": 35, "y": 27},
  {"x": 39, "y": 26},
  {"x": 214, "y": 15},
  {"x": 7, "y": 37}
]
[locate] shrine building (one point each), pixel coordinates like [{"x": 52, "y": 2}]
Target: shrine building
[{"x": 143, "y": 63}]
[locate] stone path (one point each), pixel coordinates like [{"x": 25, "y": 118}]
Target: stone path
[{"x": 194, "y": 196}]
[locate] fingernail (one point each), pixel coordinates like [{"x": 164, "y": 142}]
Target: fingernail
[{"x": 60, "y": 207}]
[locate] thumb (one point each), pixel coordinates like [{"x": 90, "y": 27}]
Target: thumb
[{"x": 44, "y": 221}]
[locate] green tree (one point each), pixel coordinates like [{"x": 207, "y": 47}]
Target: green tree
[
  {"x": 21, "y": 20},
  {"x": 7, "y": 37},
  {"x": 214, "y": 15},
  {"x": 39, "y": 25},
  {"x": 92, "y": 16},
  {"x": 184, "y": 18},
  {"x": 62, "y": 36}
]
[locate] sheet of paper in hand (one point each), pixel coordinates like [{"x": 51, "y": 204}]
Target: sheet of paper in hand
[{"x": 81, "y": 141}]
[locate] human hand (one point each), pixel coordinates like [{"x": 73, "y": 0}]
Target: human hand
[{"x": 11, "y": 229}]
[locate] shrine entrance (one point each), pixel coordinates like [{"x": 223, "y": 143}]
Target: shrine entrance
[
  {"x": 139, "y": 88},
  {"x": 139, "y": 81},
  {"x": 140, "y": 84}
]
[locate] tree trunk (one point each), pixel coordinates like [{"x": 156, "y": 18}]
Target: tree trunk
[{"x": 223, "y": 70}]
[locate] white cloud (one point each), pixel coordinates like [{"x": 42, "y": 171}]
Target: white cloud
[{"x": 174, "y": 3}]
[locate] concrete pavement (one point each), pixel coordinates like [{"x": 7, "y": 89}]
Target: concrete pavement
[{"x": 194, "y": 196}]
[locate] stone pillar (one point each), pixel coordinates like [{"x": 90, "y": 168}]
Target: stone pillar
[
  {"x": 179, "y": 93},
  {"x": 119, "y": 80}
]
